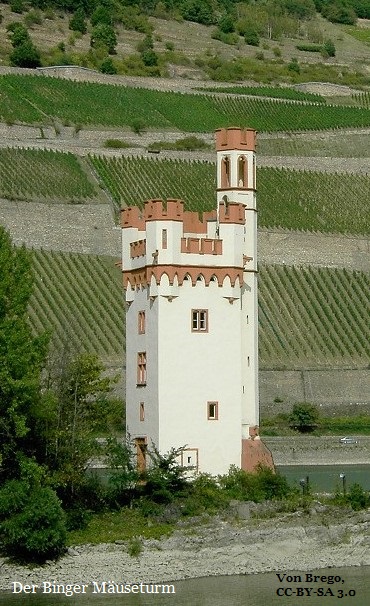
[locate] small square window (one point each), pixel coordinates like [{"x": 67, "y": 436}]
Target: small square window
[
  {"x": 141, "y": 368},
  {"x": 142, "y": 411},
  {"x": 212, "y": 411},
  {"x": 199, "y": 320},
  {"x": 141, "y": 322}
]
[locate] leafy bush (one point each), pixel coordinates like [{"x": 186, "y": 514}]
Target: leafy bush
[
  {"x": 259, "y": 486},
  {"x": 101, "y": 15},
  {"x": 329, "y": 48},
  {"x": 251, "y": 36},
  {"x": 358, "y": 497},
  {"x": 304, "y": 417},
  {"x": 78, "y": 21},
  {"x": 25, "y": 55},
  {"x": 293, "y": 66},
  {"x": 32, "y": 522},
  {"x": 33, "y": 17},
  {"x": 205, "y": 495},
  {"x": 103, "y": 34},
  {"x": 165, "y": 479},
  {"x": 135, "y": 547},
  {"x": 17, "y": 6},
  {"x": 107, "y": 66},
  {"x": 310, "y": 48}
]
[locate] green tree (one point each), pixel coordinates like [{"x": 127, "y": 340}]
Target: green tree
[
  {"x": 32, "y": 522},
  {"x": 104, "y": 35},
  {"x": 25, "y": 55},
  {"x": 74, "y": 409},
  {"x": 164, "y": 480},
  {"x": 78, "y": 21},
  {"x": 304, "y": 417},
  {"x": 22, "y": 356},
  {"x": 18, "y": 33},
  {"x": 101, "y": 15}
]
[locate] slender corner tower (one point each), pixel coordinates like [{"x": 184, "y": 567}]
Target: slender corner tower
[
  {"x": 236, "y": 182},
  {"x": 191, "y": 321}
]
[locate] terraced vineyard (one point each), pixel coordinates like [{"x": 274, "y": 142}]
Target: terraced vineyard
[
  {"x": 276, "y": 92},
  {"x": 314, "y": 316},
  {"x": 41, "y": 99},
  {"x": 286, "y": 198},
  {"x": 29, "y": 174},
  {"x": 79, "y": 298},
  {"x": 354, "y": 145},
  {"x": 307, "y": 316}
]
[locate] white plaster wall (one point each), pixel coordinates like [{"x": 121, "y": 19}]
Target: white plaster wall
[
  {"x": 195, "y": 368},
  {"x": 149, "y": 393},
  {"x": 250, "y": 395}
]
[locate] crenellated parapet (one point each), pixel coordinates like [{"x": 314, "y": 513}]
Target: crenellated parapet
[
  {"x": 201, "y": 246},
  {"x": 163, "y": 236}
]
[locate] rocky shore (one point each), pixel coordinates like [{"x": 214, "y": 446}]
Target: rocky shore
[{"x": 238, "y": 543}]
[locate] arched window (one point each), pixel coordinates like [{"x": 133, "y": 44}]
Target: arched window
[
  {"x": 225, "y": 172},
  {"x": 242, "y": 172}
]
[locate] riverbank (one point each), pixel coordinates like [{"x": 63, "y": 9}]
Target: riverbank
[{"x": 220, "y": 546}]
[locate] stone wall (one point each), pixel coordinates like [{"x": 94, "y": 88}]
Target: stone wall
[{"x": 336, "y": 391}]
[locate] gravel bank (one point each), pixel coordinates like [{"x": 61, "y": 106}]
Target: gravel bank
[{"x": 219, "y": 547}]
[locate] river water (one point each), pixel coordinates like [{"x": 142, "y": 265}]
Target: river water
[
  {"x": 248, "y": 590},
  {"x": 325, "y": 478}
]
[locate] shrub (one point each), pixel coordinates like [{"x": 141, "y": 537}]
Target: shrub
[
  {"x": 358, "y": 498},
  {"x": 251, "y": 36},
  {"x": 18, "y": 33},
  {"x": 135, "y": 547},
  {"x": 105, "y": 35},
  {"x": 293, "y": 66},
  {"x": 25, "y": 55},
  {"x": 33, "y": 17},
  {"x": 329, "y": 48},
  {"x": 17, "y": 6},
  {"x": 310, "y": 48},
  {"x": 116, "y": 144},
  {"x": 149, "y": 58},
  {"x": 78, "y": 21},
  {"x": 304, "y": 417},
  {"x": 32, "y": 522},
  {"x": 101, "y": 15},
  {"x": 107, "y": 66},
  {"x": 226, "y": 24}
]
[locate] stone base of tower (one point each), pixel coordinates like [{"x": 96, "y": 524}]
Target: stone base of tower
[{"x": 254, "y": 453}]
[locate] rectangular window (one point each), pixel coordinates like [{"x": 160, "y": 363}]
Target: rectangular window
[
  {"x": 164, "y": 238},
  {"x": 141, "y": 368},
  {"x": 141, "y": 322},
  {"x": 142, "y": 411},
  {"x": 199, "y": 320},
  {"x": 212, "y": 411}
]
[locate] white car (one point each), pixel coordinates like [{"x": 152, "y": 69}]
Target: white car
[{"x": 347, "y": 440}]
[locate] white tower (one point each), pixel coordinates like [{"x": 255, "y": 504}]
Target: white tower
[{"x": 191, "y": 322}]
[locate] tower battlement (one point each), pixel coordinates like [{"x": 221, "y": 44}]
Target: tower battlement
[{"x": 243, "y": 139}]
